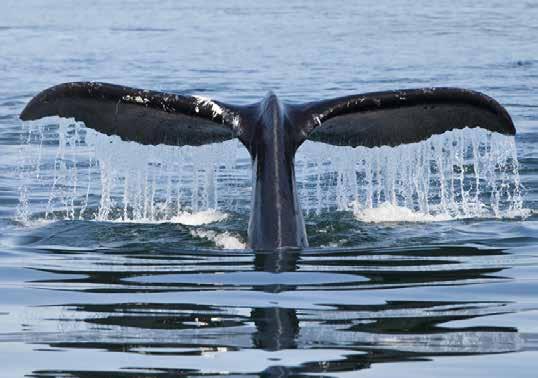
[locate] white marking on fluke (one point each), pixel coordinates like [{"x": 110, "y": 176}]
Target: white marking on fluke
[
  {"x": 138, "y": 99},
  {"x": 205, "y": 101},
  {"x": 235, "y": 121}
]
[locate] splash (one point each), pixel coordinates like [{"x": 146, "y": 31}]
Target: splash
[
  {"x": 387, "y": 212},
  {"x": 200, "y": 218},
  {"x": 70, "y": 172},
  {"x": 186, "y": 218},
  {"x": 67, "y": 171},
  {"x": 465, "y": 173},
  {"x": 224, "y": 240}
]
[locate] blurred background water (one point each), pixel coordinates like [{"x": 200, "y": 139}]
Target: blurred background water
[{"x": 94, "y": 298}]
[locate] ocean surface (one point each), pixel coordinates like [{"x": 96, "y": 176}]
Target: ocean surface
[{"x": 118, "y": 260}]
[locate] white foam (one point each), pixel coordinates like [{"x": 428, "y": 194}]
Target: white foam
[
  {"x": 387, "y": 212},
  {"x": 35, "y": 223},
  {"x": 224, "y": 240},
  {"x": 199, "y": 218}
]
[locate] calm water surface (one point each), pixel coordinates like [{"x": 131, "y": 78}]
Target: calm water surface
[{"x": 99, "y": 299}]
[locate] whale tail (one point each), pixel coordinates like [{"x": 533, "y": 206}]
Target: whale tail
[
  {"x": 399, "y": 117},
  {"x": 370, "y": 120},
  {"x": 142, "y": 116},
  {"x": 271, "y": 131}
]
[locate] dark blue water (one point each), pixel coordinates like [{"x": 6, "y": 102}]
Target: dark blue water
[{"x": 85, "y": 298}]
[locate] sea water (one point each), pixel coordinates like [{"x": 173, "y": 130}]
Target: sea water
[{"x": 119, "y": 260}]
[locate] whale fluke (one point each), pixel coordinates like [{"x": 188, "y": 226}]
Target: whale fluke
[
  {"x": 272, "y": 131},
  {"x": 392, "y": 118},
  {"x": 142, "y": 116}
]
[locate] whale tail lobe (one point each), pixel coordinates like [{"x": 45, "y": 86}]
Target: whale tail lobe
[
  {"x": 372, "y": 119},
  {"x": 399, "y": 117},
  {"x": 142, "y": 116}
]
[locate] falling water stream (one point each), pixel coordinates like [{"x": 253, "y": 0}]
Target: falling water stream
[{"x": 468, "y": 173}]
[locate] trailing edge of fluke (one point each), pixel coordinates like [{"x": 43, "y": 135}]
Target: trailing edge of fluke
[{"x": 272, "y": 131}]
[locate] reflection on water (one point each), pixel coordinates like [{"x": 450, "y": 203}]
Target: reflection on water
[{"x": 335, "y": 333}]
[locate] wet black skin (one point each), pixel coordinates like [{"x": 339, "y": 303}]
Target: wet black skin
[
  {"x": 276, "y": 219},
  {"x": 272, "y": 131}
]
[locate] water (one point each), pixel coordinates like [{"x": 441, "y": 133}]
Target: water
[{"x": 129, "y": 259}]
